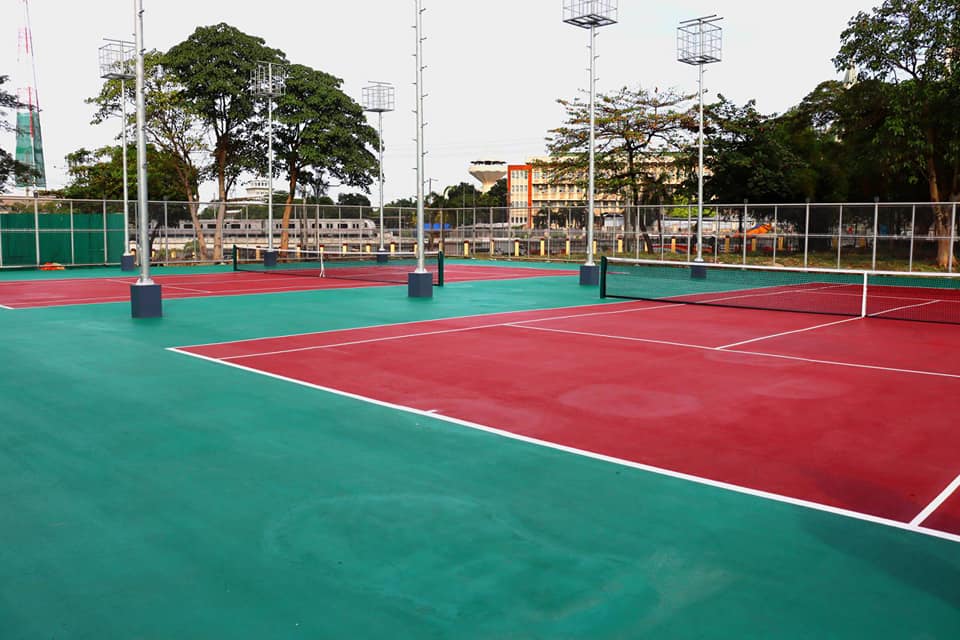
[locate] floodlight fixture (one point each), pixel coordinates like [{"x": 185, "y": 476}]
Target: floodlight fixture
[
  {"x": 269, "y": 80},
  {"x": 590, "y": 14},
  {"x": 379, "y": 97},
  {"x": 699, "y": 43}
]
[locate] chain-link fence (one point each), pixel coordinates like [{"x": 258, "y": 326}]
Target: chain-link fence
[{"x": 886, "y": 236}]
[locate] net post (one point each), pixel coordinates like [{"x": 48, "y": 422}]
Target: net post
[
  {"x": 440, "y": 269},
  {"x": 863, "y": 302},
  {"x": 603, "y": 276},
  {"x": 235, "y": 258}
]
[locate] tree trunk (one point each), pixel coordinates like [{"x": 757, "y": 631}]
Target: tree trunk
[
  {"x": 193, "y": 207},
  {"x": 942, "y": 222},
  {"x": 288, "y": 207},
  {"x": 222, "y": 209}
]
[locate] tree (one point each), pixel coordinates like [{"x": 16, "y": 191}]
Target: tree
[
  {"x": 748, "y": 157},
  {"x": 170, "y": 125},
  {"x": 9, "y": 166},
  {"x": 637, "y": 132},
  {"x": 913, "y": 48},
  {"x": 321, "y": 128},
  {"x": 353, "y": 200},
  {"x": 98, "y": 175},
  {"x": 213, "y": 68}
]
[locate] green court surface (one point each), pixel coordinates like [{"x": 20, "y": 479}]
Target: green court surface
[{"x": 150, "y": 495}]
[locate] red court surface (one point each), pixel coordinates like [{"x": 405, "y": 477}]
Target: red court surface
[
  {"x": 848, "y": 415},
  {"x": 22, "y": 294}
]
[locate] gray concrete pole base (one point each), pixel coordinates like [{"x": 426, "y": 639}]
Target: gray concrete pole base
[
  {"x": 270, "y": 258},
  {"x": 420, "y": 285},
  {"x": 698, "y": 272},
  {"x": 146, "y": 301},
  {"x": 128, "y": 262},
  {"x": 590, "y": 275},
  {"x": 382, "y": 257}
]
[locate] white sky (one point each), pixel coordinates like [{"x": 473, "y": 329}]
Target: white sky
[{"x": 495, "y": 68}]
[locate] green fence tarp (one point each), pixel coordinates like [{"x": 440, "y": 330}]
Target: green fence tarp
[{"x": 85, "y": 245}]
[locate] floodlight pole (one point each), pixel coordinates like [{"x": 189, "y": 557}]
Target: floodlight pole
[
  {"x": 379, "y": 97},
  {"x": 420, "y": 281},
  {"x": 590, "y": 15},
  {"x": 380, "y": 164},
  {"x": 145, "y": 296},
  {"x": 270, "y": 159},
  {"x": 699, "y": 51}
]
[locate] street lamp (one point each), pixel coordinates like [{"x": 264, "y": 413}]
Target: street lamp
[
  {"x": 700, "y": 42},
  {"x": 145, "y": 295},
  {"x": 269, "y": 80},
  {"x": 590, "y": 14},
  {"x": 116, "y": 63},
  {"x": 379, "y": 98}
]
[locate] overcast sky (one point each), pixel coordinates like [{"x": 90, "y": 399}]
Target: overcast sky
[{"x": 495, "y": 68}]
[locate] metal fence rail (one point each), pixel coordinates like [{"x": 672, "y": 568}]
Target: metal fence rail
[{"x": 874, "y": 235}]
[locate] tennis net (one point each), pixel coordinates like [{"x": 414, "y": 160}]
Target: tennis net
[
  {"x": 370, "y": 267},
  {"x": 925, "y": 297}
]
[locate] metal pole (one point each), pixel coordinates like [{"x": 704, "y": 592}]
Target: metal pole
[
  {"x": 126, "y": 194},
  {"x": 270, "y": 157},
  {"x": 806, "y": 236},
  {"x": 380, "y": 129},
  {"x": 839, "y": 236},
  {"x": 36, "y": 226},
  {"x": 953, "y": 236},
  {"x": 876, "y": 228},
  {"x": 421, "y": 263},
  {"x": 776, "y": 212},
  {"x": 689, "y": 237},
  {"x": 913, "y": 235},
  {"x": 106, "y": 245},
  {"x": 700, "y": 166},
  {"x": 142, "y": 154},
  {"x": 166, "y": 233},
  {"x": 73, "y": 238},
  {"x": 590, "y": 187},
  {"x": 743, "y": 230}
]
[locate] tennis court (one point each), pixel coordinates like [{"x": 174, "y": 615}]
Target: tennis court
[{"x": 514, "y": 457}]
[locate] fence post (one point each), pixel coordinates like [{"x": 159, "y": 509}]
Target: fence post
[
  {"x": 73, "y": 240},
  {"x": 166, "y": 233},
  {"x": 806, "y": 236},
  {"x": 106, "y": 244},
  {"x": 689, "y": 237},
  {"x": 913, "y": 234},
  {"x": 876, "y": 223},
  {"x": 36, "y": 226},
  {"x": 839, "y": 236},
  {"x": 743, "y": 230},
  {"x": 776, "y": 232},
  {"x": 953, "y": 235}
]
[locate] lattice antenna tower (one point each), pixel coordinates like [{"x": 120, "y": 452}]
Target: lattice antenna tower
[
  {"x": 29, "y": 136},
  {"x": 699, "y": 43}
]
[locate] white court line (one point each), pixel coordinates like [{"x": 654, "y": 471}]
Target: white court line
[
  {"x": 787, "y": 333},
  {"x": 409, "y": 322},
  {"x": 908, "y": 306},
  {"x": 936, "y": 504},
  {"x": 856, "y": 515},
  {"x": 437, "y": 332},
  {"x": 3, "y": 306},
  {"x": 760, "y": 354}
]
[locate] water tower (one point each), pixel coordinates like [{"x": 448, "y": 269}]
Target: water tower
[{"x": 488, "y": 172}]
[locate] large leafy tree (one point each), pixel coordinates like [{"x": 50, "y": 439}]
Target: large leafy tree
[
  {"x": 171, "y": 127},
  {"x": 637, "y": 134},
  {"x": 9, "y": 166},
  {"x": 748, "y": 157},
  {"x": 213, "y": 68},
  {"x": 321, "y": 134},
  {"x": 912, "y": 47}
]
